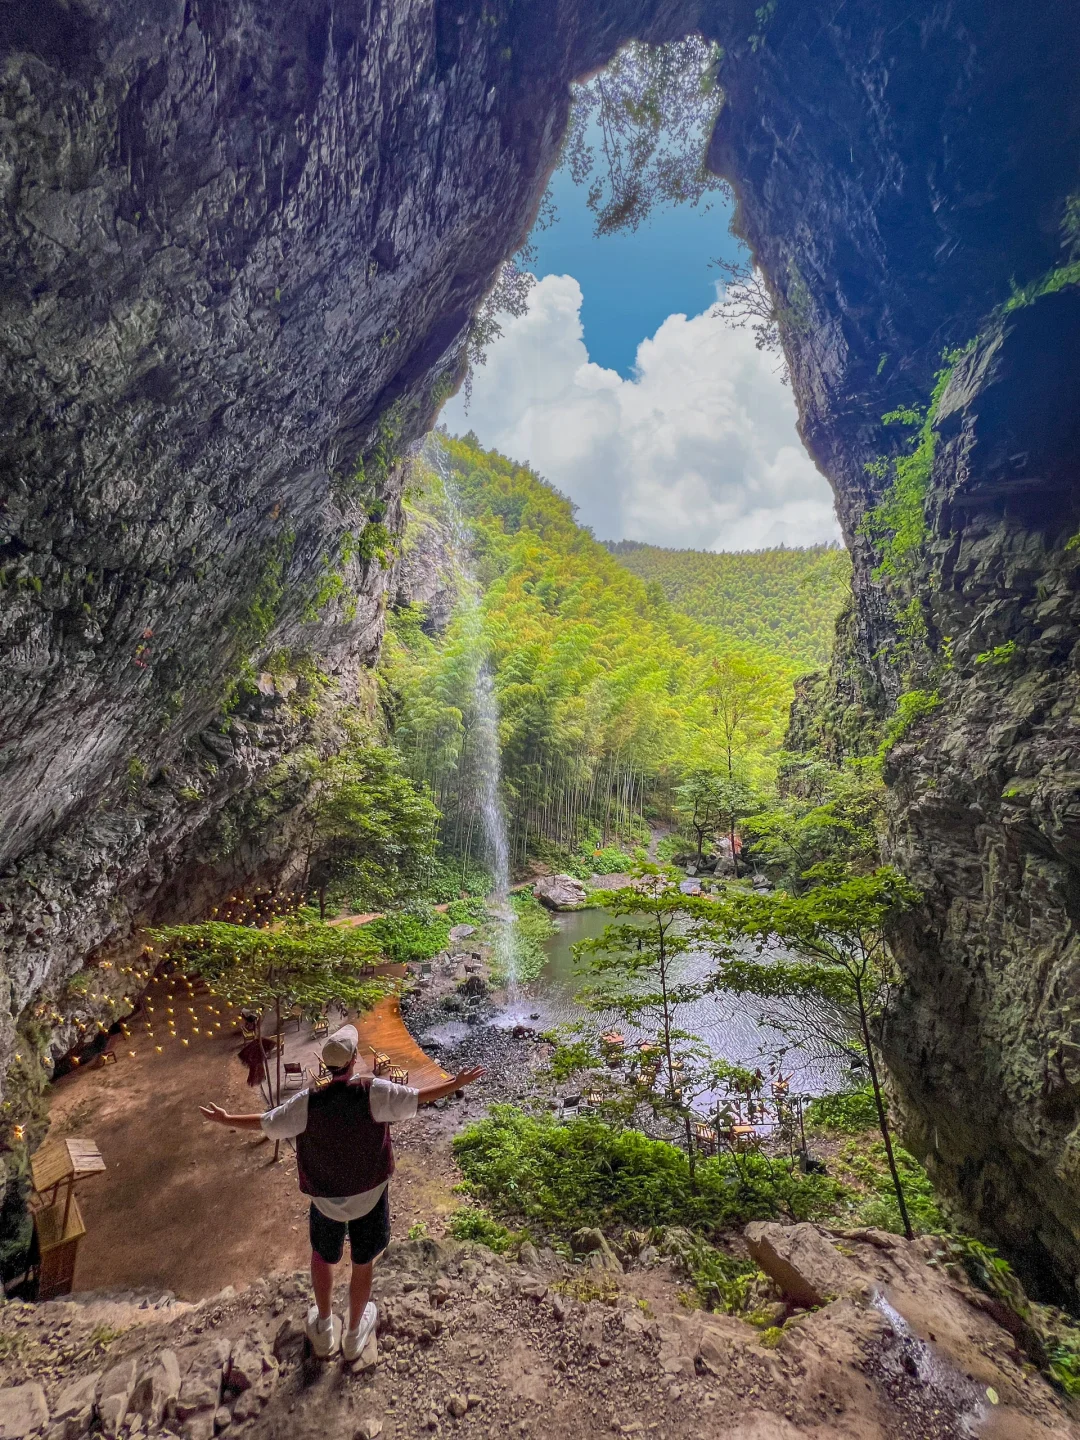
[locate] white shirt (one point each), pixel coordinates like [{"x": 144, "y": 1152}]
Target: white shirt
[{"x": 389, "y": 1103}]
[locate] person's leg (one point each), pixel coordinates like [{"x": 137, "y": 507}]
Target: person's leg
[
  {"x": 327, "y": 1243},
  {"x": 359, "y": 1291},
  {"x": 322, "y": 1282},
  {"x": 368, "y": 1238}
]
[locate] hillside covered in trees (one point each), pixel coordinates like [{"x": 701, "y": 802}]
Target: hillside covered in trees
[
  {"x": 607, "y": 695},
  {"x": 784, "y": 600}
]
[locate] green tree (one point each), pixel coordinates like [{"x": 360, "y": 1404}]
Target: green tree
[
  {"x": 304, "y": 965},
  {"x": 639, "y": 130},
  {"x": 636, "y": 966},
  {"x": 737, "y": 691},
  {"x": 699, "y": 802},
  {"x": 825, "y": 955},
  {"x": 826, "y": 823},
  {"x": 710, "y": 800},
  {"x": 371, "y": 830}
]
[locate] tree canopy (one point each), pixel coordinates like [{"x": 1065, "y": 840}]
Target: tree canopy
[
  {"x": 607, "y": 694},
  {"x": 778, "y": 599}
]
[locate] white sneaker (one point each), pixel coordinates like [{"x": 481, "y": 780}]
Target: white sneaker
[
  {"x": 353, "y": 1341},
  {"x": 324, "y": 1341}
]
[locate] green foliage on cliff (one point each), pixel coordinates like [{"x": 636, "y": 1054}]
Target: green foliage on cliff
[
  {"x": 371, "y": 828},
  {"x": 829, "y": 818},
  {"x": 910, "y": 707},
  {"x": 779, "y": 599}
]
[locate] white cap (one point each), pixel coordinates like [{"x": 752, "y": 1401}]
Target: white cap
[{"x": 340, "y": 1048}]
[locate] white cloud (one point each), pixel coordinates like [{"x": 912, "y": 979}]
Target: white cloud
[{"x": 698, "y": 449}]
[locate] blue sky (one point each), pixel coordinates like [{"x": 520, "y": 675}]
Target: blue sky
[
  {"x": 622, "y": 388},
  {"x": 631, "y": 283}
]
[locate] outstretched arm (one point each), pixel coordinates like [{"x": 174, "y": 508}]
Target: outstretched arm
[
  {"x": 222, "y": 1117},
  {"x": 431, "y": 1093}
]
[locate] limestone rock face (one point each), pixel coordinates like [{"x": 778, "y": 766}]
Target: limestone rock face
[
  {"x": 890, "y": 239},
  {"x": 241, "y": 246},
  {"x": 985, "y": 801}
]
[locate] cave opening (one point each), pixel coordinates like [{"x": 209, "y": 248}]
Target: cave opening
[{"x": 208, "y": 398}]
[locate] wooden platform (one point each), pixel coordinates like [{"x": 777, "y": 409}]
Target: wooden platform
[{"x": 382, "y": 1028}]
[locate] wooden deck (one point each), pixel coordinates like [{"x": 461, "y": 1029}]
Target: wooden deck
[{"x": 382, "y": 1028}]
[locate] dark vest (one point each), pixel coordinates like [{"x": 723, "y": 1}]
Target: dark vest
[{"x": 343, "y": 1150}]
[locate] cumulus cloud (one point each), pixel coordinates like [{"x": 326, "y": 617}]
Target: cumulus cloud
[{"x": 698, "y": 449}]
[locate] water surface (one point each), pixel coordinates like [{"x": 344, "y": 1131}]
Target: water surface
[{"x": 728, "y": 1024}]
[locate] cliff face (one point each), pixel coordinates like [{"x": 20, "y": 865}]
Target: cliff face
[
  {"x": 241, "y": 244},
  {"x": 897, "y": 173}
]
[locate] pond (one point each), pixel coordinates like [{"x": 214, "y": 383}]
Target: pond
[{"x": 727, "y": 1024}]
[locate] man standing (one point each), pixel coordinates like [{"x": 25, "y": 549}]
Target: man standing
[{"x": 341, "y": 1125}]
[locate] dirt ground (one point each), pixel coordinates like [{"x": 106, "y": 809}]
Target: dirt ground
[
  {"x": 475, "y": 1345},
  {"x": 189, "y": 1207}
]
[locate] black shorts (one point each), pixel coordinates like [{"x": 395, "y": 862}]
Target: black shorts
[{"x": 368, "y": 1236}]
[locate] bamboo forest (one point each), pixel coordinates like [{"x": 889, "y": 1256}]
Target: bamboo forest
[{"x": 612, "y": 685}]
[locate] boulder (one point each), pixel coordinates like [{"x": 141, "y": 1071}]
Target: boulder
[
  {"x": 199, "y": 1425},
  {"x": 77, "y": 1399},
  {"x": 250, "y": 1358},
  {"x": 22, "y": 1410},
  {"x": 157, "y": 1390},
  {"x": 560, "y": 892},
  {"x": 114, "y": 1394},
  {"x": 803, "y": 1263},
  {"x": 200, "y": 1388},
  {"x": 528, "y": 1258},
  {"x": 462, "y": 932},
  {"x": 252, "y": 1400},
  {"x": 593, "y": 1243}
]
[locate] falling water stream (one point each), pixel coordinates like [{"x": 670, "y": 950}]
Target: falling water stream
[{"x": 487, "y": 763}]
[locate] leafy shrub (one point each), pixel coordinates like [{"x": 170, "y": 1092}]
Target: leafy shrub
[
  {"x": 868, "y": 1165},
  {"x": 558, "y": 1177},
  {"x": 999, "y": 655},
  {"x": 407, "y": 935},
  {"x": 472, "y": 1222},
  {"x": 466, "y": 912},
  {"x": 721, "y": 1281},
  {"x": 610, "y": 861},
  {"x": 849, "y": 1111},
  {"x": 570, "y": 1057},
  {"x": 447, "y": 878}
]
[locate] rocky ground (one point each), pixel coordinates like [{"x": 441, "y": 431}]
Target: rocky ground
[{"x": 474, "y": 1345}]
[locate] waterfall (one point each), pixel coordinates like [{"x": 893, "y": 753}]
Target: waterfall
[{"x": 486, "y": 756}]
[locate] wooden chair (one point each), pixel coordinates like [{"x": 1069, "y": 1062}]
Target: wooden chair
[
  {"x": 297, "y": 1014},
  {"x": 397, "y": 1075},
  {"x": 380, "y": 1063},
  {"x": 321, "y": 1028},
  {"x": 294, "y": 1075},
  {"x": 705, "y": 1138}
]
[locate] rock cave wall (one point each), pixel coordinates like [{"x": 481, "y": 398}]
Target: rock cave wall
[{"x": 241, "y": 247}]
